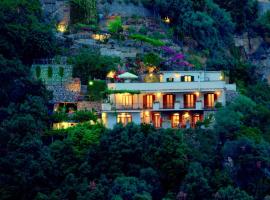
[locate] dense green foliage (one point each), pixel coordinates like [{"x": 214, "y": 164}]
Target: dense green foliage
[
  {"x": 97, "y": 90},
  {"x": 22, "y": 33},
  {"x": 143, "y": 38},
  {"x": 115, "y": 26},
  {"x": 83, "y": 11},
  {"x": 89, "y": 65},
  {"x": 263, "y": 24}
]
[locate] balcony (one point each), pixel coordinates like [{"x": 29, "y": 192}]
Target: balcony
[
  {"x": 157, "y": 106},
  {"x": 173, "y": 86},
  {"x": 111, "y": 107}
]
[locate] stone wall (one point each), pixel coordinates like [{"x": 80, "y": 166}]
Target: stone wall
[
  {"x": 89, "y": 105},
  {"x": 123, "y": 9},
  {"x": 56, "y": 78},
  {"x": 74, "y": 85},
  {"x": 58, "y": 10}
]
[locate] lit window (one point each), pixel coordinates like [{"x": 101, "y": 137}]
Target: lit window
[
  {"x": 196, "y": 118},
  {"x": 168, "y": 101},
  {"x": 209, "y": 100},
  {"x": 127, "y": 100},
  {"x": 124, "y": 118},
  {"x": 170, "y": 79},
  {"x": 157, "y": 120},
  {"x": 175, "y": 120},
  {"x": 146, "y": 117},
  {"x": 187, "y": 78},
  {"x": 148, "y": 101},
  {"x": 189, "y": 100}
]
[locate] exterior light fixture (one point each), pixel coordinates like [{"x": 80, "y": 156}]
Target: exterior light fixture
[
  {"x": 91, "y": 83},
  {"x": 167, "y": 20},
  {"x": 177, "y": 75},
  {"x": 61, "y": 27},
  {"x": 197, "y": 94},
  {"x": 221, "y": 77}
]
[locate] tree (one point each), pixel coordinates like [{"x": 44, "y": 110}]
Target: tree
[
  {"x": 23, "y": 34},
  {"x": 243, "y": 13},
  {"x": 61, "y": 73},
  {"x": 83, "y": 11},
  {"x": 129, "y": 188},
  {"x": 232, "y": 193},
  {"x": 89, "y": 65},
  {"x": 196, "y": 180}
]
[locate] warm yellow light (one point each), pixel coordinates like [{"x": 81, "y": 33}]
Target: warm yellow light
[
  {"x": 176, "y": 114},
  {"x": 186, "y": 115},
  {"x": 111, "y": 74},
  {"x": 100, "y": 37},
  {"x": 61, "y": 27},
  {"x": 159, "y": 94},
  {"x": 220, "y": 77},
  {"x": 146, "y": 113},
  {"x": 197, "y": 94},
  {"x": 167, "y": 20},
  {"x": 151, "y": 69},
  {"x": 160, "y": 77},
  {"x": 151, "y": 75},
  {"x": 177, "y": 75},
  {"x": 218, "y": 93}
]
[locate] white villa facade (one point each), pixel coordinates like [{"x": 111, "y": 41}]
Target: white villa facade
[{"x": 178, "y": 100}]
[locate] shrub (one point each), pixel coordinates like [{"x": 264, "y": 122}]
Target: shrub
[
  {"x": 143, "y": 38},
  {"x": 59, "y": 117},
  {"x": 50, "y": 71},
  {"x": 115, "y": 26},
  {"x": 152, "y": 59},
  {"x": 143, "y": 30},
  {"x": 96, "y": 90},
  {"x": 83, "y": 116},
  {"x": 38, "y": 71}
]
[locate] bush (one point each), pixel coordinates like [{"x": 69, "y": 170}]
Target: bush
[
  {"x": 89, "y": 65},
  {"x": 143, "y": 38},
  {"x": 83, "y": 116},
  {"x": 38, "y": 71},
  {"x": 96, "y": 90},
  {"x": 152, "y": 59},
  {"x": 50, "y": 72},
  {"x": 59, "y": 117},
  {"x": 115, "y": 26}
]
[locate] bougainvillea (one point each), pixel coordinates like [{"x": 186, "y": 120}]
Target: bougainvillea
[{"x": 175, "y": 58}]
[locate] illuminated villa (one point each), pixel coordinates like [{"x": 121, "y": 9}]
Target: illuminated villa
[{"x": 175, "y": 99}]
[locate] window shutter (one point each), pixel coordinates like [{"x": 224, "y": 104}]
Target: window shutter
[
  {"x": 215, "y": 97},
  {"x": 164, "y": 101},
  {"x": 144, "y": 101},
  {"x": 185, "y": 100},
  {"x": 182, "y": 78},
  {"x": 192, "y": 78},
  {"x": 205, "y": 100},
  {"x": 154, "y": 98}
]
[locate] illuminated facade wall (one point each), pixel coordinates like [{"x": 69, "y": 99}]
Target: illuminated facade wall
[{"x": 171, "y": 103}]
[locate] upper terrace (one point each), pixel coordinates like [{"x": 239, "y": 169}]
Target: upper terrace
[{"x": 173, "y": 81}]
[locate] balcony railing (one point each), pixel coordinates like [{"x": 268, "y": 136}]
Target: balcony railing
[{"x": 156, "y": 106}]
